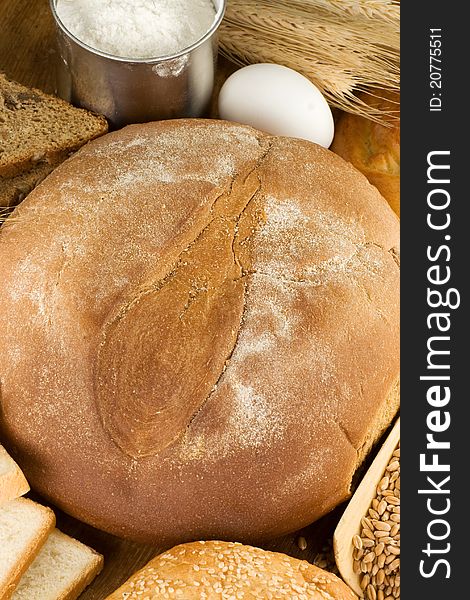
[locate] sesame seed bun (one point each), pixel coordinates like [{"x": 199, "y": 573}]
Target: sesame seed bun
[{"x": 206, "y": 570}]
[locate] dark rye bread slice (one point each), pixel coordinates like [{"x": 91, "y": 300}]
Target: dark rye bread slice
[
  {"x": 14, "y": 189},
  {"x": 37, "y": 128}
]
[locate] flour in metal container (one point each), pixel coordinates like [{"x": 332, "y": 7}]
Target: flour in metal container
[{"x": 137, "y": 29}]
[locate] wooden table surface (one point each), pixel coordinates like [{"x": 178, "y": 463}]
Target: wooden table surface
[{"x": 28, "y": 54}]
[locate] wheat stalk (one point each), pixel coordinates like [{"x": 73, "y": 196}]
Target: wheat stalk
[
  {"x": 369, "y": 9},
  {"x": 343, "y": 46},
  {"x": 4, "y": 214}
]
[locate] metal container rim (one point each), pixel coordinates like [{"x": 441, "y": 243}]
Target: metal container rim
[{"x": 154, "y": 60}]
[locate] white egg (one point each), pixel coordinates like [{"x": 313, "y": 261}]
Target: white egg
[{"x": 277, "y": 100}]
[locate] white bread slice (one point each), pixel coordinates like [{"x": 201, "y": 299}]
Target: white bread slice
[
  {"x": 24, "y": 528},
  {"x": 12, "y": 481},
  {"x": 62, "y": 570}
]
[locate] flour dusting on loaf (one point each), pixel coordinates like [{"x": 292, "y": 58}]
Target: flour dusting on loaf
[
  {"x": 165, "y": 158},
  {"x": 202, "y": 334}
]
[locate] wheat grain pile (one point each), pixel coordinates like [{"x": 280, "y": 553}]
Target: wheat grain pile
[{"x": 343, "y": 46}]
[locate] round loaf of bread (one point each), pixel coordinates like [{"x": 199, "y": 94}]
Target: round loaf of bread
[
  {"x": 200, "y": 331},
  {"x": 227, "y": 570},
  {"x": 373, "y": 148}
]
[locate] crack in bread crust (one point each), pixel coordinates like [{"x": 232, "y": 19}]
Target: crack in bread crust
[
  {"x": 144, "y": 422},
  {"x": 140, "y": 422}
]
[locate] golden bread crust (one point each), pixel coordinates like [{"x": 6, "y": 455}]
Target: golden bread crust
[
  {"x": 203, "y": 331},
  {"x": 372, "y": 148},
  {"x": 209, "y": 569}
]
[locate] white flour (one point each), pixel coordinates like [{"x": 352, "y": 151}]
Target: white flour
[{"x": 137, "y": 28}]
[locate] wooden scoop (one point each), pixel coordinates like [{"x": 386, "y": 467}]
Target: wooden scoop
[{"x": 350, "y": 523}]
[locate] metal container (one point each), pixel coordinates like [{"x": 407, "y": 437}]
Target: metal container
[{"x": 129, "y": 90}]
